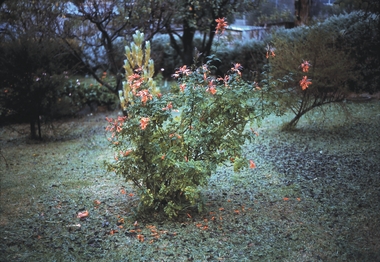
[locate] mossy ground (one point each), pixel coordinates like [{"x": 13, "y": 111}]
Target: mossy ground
[{"x": 314, "y": 196}]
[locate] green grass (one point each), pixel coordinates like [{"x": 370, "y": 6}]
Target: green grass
[{"x": 314, "y": 196}]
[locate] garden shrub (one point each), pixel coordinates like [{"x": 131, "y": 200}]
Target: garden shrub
[
  {"x": 309, "y": 69},
  {"x": 357, "y": 34},
  {"x": 31, "y": 73},
  {"x": 87, "y": 91},
  {"x": 168, "y": 145},
  {"x": 249, "y": 53},
  {"x": 164, "y": 55},
  {"x": 360, "y": 38}
]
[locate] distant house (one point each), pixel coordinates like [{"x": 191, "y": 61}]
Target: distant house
[
  {"x": 329, "y": 2},
  {"x": 240, "y": 31},
  {"x": 245, "y": 32}
]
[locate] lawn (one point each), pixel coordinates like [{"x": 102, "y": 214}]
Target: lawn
[{"x": 314, "y": 196}]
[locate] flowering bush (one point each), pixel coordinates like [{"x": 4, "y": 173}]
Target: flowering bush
[
  {"x": 168, "y": 145},
  {"x": 309, "y": 70}
]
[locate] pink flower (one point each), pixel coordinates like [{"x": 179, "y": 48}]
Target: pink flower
[
  {"x": 211, "y": 88},
  {"x": 168, "y": 107},
  {"x": 237, "y": 68},
  {"x": 304, "y": 83},
  {"x": 221, "y": 25},
  {"x": 305, "y": 66},
  {"x": 144, "y": 122},
  {"x": 144, "y": 94}
]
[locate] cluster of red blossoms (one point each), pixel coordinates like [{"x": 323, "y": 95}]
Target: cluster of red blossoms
[
  {"x": 115, "y": 125},
  {"x": 305, "y": 82},
  {"x": 221, "y": 25}
]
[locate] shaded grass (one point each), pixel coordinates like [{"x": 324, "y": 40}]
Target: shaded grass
[{"x": 314, "y": 196}]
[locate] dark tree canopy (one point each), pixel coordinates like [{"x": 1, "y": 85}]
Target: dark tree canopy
[
  {"x": 31, "y": 60},
  {"x": 189, "y": 17}
]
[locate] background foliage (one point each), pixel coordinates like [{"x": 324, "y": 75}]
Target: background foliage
[
  {"x": 337, "y": 67},
  {"x": 31, "y": 73}
]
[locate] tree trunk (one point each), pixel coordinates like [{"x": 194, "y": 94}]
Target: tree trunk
[
  {"x": 302, "y": 11},
  {"x": 39, "y": 127},
  {"x": 207, "y": 47},
  {"x": 33, "y": 134},
  {"x": 292, "y": 124},
  {"x": 188, "y": 47}
]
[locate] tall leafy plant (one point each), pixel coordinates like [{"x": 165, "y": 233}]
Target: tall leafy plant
[{"x": 168, "y": 145}]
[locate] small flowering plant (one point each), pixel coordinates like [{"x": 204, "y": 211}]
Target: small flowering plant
[{"x": 169, "y": 145}]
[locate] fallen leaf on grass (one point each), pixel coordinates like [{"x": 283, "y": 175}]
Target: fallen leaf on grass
[
  {"x": 113, "y": 232},
  {"x": 140, "y": 238},
  {"x": 252, "y": 164},
  {"x": 120, "y": 221},
  {"x": 83, "y": 214}
]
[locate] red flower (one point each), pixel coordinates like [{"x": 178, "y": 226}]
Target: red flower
[
  {"x": 126, "y": 153},
  {"x": 237, "y": 68},
  {"x": 305, "y": 66},
  {"x": 270, "y": 52},
  {"x": 144, "y": 122},
  {"x": 133, "y": 77},
  {"x": 304, "y": 83},
  {"x": 184, "y": 70},
  {"x": 144, "y": 94},
  {"x": 211, "y": 87},
  {"x": 225, "y": 80},
  {"x": 212, "y": 90},
  {"x": 168, "y": 107},
  {"x": 221, "y": 25}
]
